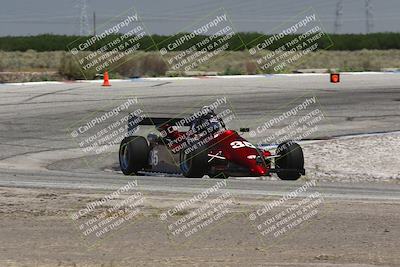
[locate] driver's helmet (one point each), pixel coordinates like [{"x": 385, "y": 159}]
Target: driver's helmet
[
  {"x": 207, "y": 119},
  {"x": 208, "y": 112}
]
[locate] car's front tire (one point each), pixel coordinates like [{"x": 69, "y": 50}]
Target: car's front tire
[
  {"x": 290, "y": 157},
  {"x": 194, "y": 164},
  {"x": 133, "y": 154}
]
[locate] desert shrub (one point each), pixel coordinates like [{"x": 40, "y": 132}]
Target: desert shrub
[
  {"x": 2, "y": 63},
  {"x": 250, "y": 67},
  {"x": 175, "y": 73},
  {"x": 129, "y": 68},
  {"x": 232, "y": 71},
  {"x": 153, "y": 65},
  {"x": 30, "y": 60},
  {"x": 70, "y": 68},
  {"x": 143, "y": 65}
]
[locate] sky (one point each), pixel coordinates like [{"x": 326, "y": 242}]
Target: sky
[{"x": 32, "y": 17}]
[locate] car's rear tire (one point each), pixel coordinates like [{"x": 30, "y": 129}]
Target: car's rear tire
[
  {"x": 219, "y": 175},
  {"x": 133, "y": 154},
  {"x": 194, "y": 164},
  {"x": 290, "y": 157}
]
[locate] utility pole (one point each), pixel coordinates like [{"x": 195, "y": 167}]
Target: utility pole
[
  {"x": 339, "y": 14},
  {"x": 369, "y": 18},
  {"x": 94, "y": 23}
]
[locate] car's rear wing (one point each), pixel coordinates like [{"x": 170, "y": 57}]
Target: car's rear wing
[
  {"x": 159, "y": 122},
  {"x": 134, "y": 121}
]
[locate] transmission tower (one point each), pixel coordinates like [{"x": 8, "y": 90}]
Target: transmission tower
[
  {"x": 83, "y": 21},
  {"x": 339, "y": 14},
  {"x": 369, "y": 18}
]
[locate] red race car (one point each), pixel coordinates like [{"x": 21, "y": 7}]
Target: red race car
[{"x": 205, "y": 147}]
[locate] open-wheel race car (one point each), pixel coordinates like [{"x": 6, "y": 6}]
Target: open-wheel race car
[{"x": 205, "y": 148}]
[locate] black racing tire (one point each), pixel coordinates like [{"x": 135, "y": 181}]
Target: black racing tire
[
  {"x": 290, "y": 157},
  {"x": 133, "y": 154},
  {"x": 194, "y": 164},
  {"x": 219, "y": 175}
]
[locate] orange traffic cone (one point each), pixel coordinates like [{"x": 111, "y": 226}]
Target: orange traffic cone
[{"x": 106, "y": 81}]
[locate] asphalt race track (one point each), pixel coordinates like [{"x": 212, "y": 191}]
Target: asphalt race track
[{"x": 35, "y": 121}]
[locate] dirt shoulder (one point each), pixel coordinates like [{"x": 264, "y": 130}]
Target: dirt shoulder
[{"x": 36, "y": 229}]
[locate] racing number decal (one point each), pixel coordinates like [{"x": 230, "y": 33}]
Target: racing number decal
[
  {"x": 154, "y": 157},
  {"x": 240, "y": 144}
]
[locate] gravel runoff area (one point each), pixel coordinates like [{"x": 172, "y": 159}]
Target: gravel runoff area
[
  {"x": 36, "y": 230},
  {"x": 355, "y": 159}
]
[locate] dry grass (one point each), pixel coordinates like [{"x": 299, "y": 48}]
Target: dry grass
[
  {"x": 151, "y": 64},
  {"x": 30, "y": 61},
  {"x": 363, "y": 60}
]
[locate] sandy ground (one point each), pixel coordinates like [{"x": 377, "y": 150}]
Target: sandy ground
[
  {"x": 37, "y": 230},
  {"x": 370, "y": 158}
]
